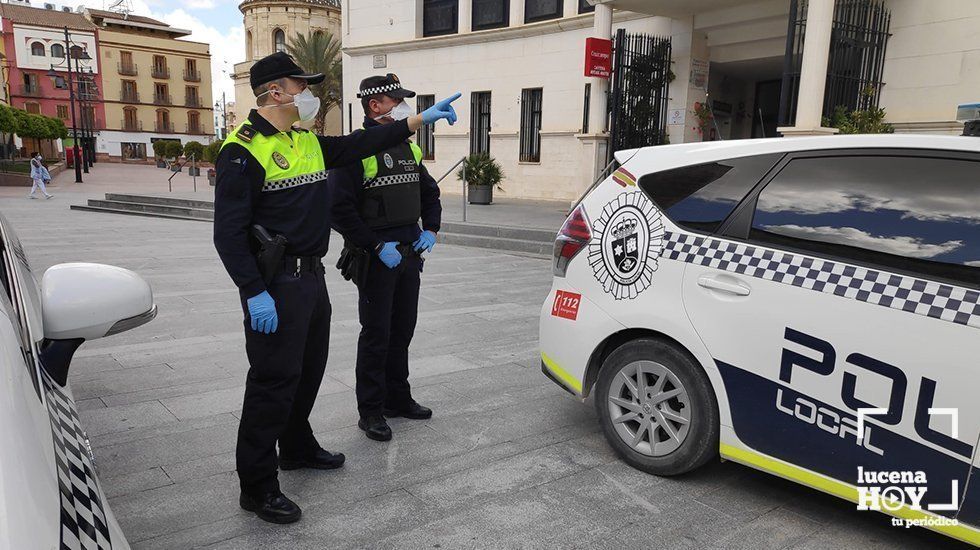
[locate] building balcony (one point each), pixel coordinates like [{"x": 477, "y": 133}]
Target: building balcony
[
  {"x": 127, "y": 96},
  {"x": 162, "y": 99},
  {"x": 192, "y": 101},
  {"x": 164, "y": 127},
  {"x": 132, "y": 125},
  {"x": 195, "y": 129},
  {"x": 30, "y": 90},
  {"x": 192, "y": 76},
  {"x": 161, "y": 72},
  {"x": 128, "y": 69}
]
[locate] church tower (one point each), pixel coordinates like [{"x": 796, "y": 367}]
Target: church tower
[{"x": 269, "y": 26}]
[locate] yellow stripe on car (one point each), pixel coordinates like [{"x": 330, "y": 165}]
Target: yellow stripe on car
[
  {"x": 562, "y": 374},
  {"x": 838, "y": 489}
]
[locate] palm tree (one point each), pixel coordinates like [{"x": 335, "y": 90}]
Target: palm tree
[{"x": 319, "y": 52}]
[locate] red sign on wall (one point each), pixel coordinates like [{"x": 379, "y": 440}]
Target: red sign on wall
[
  {"x": 598, "y": 57},
  {"x": 566, "y": 304}
]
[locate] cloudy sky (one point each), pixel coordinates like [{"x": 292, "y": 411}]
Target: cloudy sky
[{"x": 217, "y": 22}]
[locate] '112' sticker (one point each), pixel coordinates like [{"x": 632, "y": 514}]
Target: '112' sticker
[{"x": 566, "y": 304}]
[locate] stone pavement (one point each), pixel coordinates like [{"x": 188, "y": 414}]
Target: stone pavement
[{"x": 508, "y": 461}]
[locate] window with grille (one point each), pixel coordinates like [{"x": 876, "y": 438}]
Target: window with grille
[
  {"x": 62, "y": 111},
  {"x": 479, "y": 122},
  {"x": 490, "y": 14},
  {"x": 440, "y": 17},
  {"x": 531, "y": 125},
  {"x": 539, "y": 10},
  {"x": 33, "y": 108},
  {"x": 426, "y": 135}
]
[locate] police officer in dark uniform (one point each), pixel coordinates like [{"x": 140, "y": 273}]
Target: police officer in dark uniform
[
  {"x": 271, "y": 202},
  {"x": 377, "y": 205}
]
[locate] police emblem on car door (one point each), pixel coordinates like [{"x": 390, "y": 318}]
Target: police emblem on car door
[{"x": 627, "y": 247}]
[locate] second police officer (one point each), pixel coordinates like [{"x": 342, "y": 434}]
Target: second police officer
[
  {"x": 377, "y": 205},
  {"x": 271, "y": 188}
]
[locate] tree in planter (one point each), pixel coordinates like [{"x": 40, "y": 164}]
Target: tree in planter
[
  {"x": 211, "y": 151},
  {"x": 861, "y": 121},
  {"x": 173, "y": 150},
  {"x": 482, "y": 174},
  {"x": 160, "y": 152},
  {"x": 195, "y": 149}
]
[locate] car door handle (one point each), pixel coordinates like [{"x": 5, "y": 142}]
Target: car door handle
[{"x": 731, "y": 287}]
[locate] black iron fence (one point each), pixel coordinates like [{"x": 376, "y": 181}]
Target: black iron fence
[
  {"x": 857, "y": 57},
  {"x": 639, "y": 92}
]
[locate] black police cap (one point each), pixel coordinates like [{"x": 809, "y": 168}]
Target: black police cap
[
  {"x": 276, "y": 66},
  {"x": 388, "y": 85}
]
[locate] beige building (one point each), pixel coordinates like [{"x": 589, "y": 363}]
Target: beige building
[
  {"x": 520, "y": 65},
  {"x": 269, "y": 26},
  {"x": 154, "y": 85}
]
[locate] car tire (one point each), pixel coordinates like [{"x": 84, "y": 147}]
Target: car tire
[{"x": 699, "y": 443}]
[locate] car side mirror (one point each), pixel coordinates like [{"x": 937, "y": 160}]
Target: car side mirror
[{"x": 82, "y": 301}]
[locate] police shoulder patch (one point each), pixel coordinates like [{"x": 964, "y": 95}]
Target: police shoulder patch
[
  {"x": 280, "y": 160},
  {"x": 246, "y": 133}
]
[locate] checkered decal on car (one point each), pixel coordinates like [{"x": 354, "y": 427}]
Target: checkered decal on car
[
  {"x": 392, "y": 180},
  {"x": 83, "y": 518},
  {"x": 946, "y": 302},
  {"x": 279, "y": 185}
]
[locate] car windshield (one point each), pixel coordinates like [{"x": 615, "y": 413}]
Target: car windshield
[{"x": 26, "y": 280}]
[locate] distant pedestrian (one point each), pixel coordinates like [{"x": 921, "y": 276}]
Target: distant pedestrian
[{"x": 40, "y": 176}]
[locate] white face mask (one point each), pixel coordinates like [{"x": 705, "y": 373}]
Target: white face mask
[
  {"x": 398, "y": 112},
  {"x": 307, "y": 104}
]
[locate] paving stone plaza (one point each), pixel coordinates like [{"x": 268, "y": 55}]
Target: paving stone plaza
[{"x": 509, "y": 460}]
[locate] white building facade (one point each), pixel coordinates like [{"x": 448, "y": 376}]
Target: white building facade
[{"x": 520, "y": 65}]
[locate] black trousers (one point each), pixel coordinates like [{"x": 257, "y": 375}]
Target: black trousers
[
  {"x": 388, "y": 307},
  {"x": 286, "y": 368}
]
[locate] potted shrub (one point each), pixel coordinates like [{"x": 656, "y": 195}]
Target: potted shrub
[
  {"x": 195, "y": 150},
  {"x": 174, "y": 150},
  {"x": 482, "y": 174},
  {"x": 159, "y": 152},
  {"x": 211, "y": 156}
]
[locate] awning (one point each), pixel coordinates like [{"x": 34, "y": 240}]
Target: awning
[{"x": 670, "y": 8}]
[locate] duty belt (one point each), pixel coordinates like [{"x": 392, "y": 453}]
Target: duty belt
[{"x": 299, "y": 264}]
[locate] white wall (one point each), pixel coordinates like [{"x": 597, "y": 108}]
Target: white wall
[
  {"x": 25, "y": 35},
  {"x": 932, "y": 62},
  {"x": 110, "y": 141}
]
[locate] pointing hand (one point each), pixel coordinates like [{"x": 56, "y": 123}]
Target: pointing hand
[{"x": 442, "y": 110}]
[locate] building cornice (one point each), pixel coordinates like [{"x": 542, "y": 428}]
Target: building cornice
[
  {"x": 576, "y": 22},
  {"x": 330, "y": 5}
]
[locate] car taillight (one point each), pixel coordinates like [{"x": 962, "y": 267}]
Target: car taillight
[{"x": 574, "y": 235}]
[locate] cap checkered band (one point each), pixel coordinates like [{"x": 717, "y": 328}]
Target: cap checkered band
[
  {"x": 940, "y": 301},
  {"x": 83, "y": 518},
  {"x": 392, "y": 180},
  {"x": 287, "y": 183},
  {"x": 379, "y": 90}
]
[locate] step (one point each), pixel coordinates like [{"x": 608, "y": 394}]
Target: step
[
  {"x": 161, "y": 200},
  {"x": 104, "y": 210},
  {"x": 498, "y": 243},
  {"x": 169, "y": 210},
  {"x": 506, "y": 232}
]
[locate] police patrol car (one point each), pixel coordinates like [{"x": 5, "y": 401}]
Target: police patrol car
[
  {"x": 50, "y": 497},
  {"x": 806, "y": 306}
]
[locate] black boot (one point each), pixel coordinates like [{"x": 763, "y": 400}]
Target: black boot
[
  {"x": 320, "y": 460},
  {"x": 273, "y": 507},
  {"x": 375, "y": 428},
  {"x": 412, "y": 410}
]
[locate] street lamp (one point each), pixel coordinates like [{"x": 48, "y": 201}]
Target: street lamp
[{"x": 71, "y": 101}]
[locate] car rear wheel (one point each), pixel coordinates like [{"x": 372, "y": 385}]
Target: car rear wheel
[{"x": 657, "y": 408}]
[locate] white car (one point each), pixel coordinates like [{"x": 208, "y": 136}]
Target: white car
[
  {"x": 50, "y": 496},
  {"x": 806, "y": 306}
]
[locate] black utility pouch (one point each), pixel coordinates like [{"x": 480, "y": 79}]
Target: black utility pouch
[
  {"x": 270, "y": 254},
  {"x": 353, "y": 264}
]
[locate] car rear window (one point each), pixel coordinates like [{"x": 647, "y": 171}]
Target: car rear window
[
  {"x": 910, "y": 213},
  {"x": 702, "y": 196}
]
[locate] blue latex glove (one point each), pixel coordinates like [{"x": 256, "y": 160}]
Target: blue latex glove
[
  {"x": 425, "y": 242},
  {"x": 443, "y": 109},
  {"x": 262, "y": 311},
  {"x": 390, "y": 255}
]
